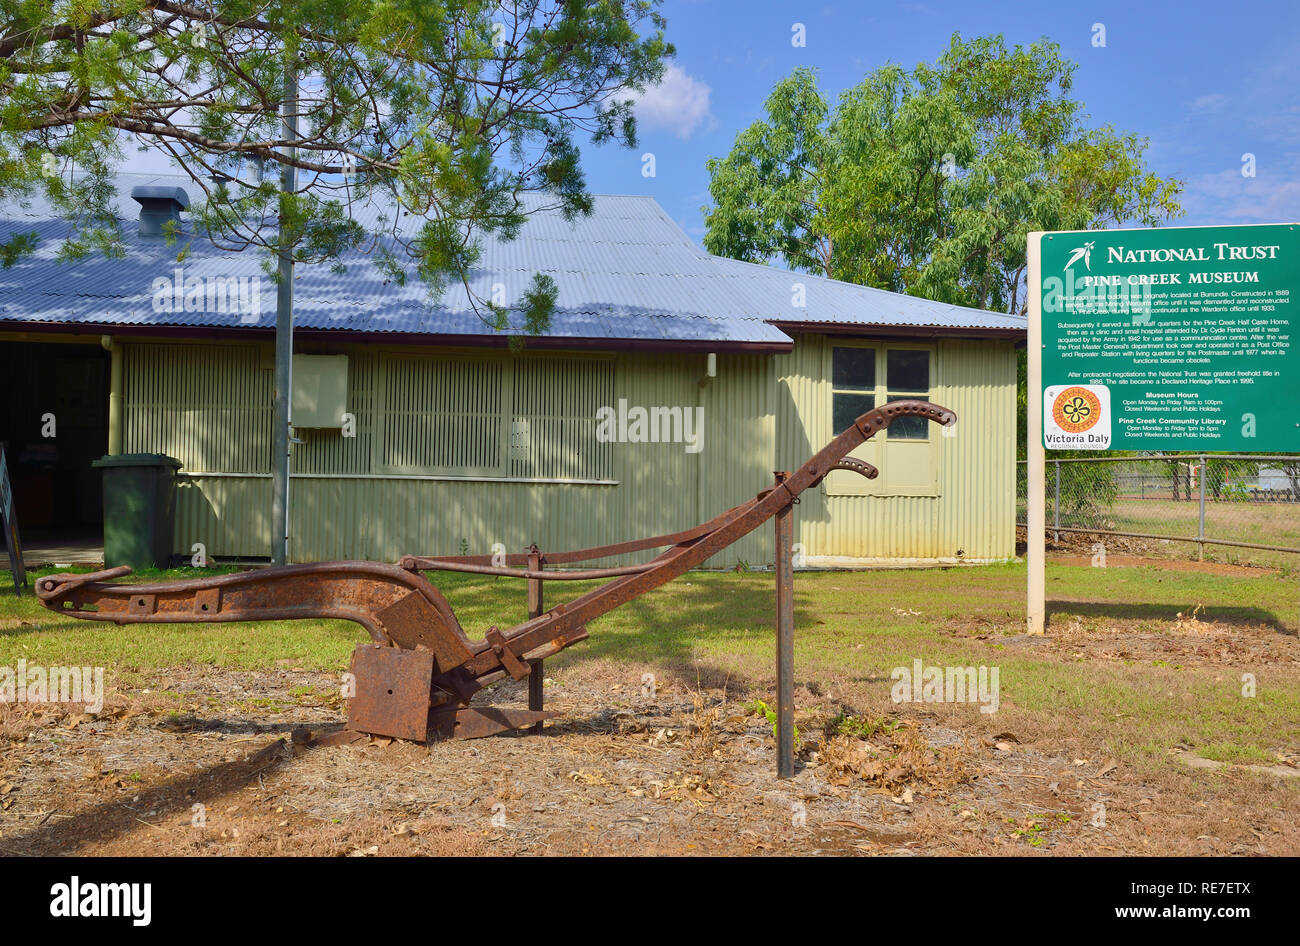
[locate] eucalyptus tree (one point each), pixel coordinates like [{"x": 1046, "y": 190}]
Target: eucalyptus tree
[{"x": 928, "y": 181}]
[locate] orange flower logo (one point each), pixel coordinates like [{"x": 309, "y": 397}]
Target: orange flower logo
[{"x": 1076, "y": 410}]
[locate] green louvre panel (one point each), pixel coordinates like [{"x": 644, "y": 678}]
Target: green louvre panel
[{"x": 1171, "y": 339}]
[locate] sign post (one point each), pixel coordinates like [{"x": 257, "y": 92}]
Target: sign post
[
  {"x": 1166, "y": 339},
  {"x": 1036, "y": 468}
]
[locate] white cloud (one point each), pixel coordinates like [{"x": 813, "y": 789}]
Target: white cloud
[
  {"x": 1226, "y": 196},
  {"x": 679, "y": 104},
  {"x": 1210, "y": 103}
]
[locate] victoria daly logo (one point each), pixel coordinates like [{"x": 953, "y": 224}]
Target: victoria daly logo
[
  {"x": 1076, "y": 410},
  {"x": 1077, "y": 417}
]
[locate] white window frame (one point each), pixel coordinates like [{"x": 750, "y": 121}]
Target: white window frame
[{"x": 878, "y": 450}]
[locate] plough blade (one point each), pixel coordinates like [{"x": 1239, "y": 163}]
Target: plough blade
[
  {"x": 392, "y": 688},
  {"x": 475, "y": 722}
]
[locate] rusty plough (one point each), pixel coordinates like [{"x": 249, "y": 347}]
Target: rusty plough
[{"x": 421, "y": 670}]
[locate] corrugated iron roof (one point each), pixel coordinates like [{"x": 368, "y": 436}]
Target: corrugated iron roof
[{"x": 626, "y": 272}]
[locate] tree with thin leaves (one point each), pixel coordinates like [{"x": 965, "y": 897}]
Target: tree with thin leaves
[{"x": 450, "y": 111}]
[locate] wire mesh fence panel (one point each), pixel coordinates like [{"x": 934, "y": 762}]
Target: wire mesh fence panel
[{"x": 1234, "y": 508}]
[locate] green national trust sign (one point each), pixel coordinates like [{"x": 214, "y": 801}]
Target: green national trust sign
[{"x": 1171, "y": 339}]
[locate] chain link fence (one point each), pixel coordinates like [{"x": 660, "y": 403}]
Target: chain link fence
[{"x": 1239, "y": 508}]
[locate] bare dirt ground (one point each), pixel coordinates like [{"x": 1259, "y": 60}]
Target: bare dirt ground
[{"x": 207, "y": 766}]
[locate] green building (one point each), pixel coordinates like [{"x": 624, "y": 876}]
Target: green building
[{"x": 670, "y": 386}]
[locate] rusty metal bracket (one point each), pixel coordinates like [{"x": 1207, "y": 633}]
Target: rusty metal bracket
[
  {"x": 853, "y": 465},
  {"x": 509, "y": 659}
]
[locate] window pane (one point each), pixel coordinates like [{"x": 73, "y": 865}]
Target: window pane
[
  {"x": 907, "y": 370},
  {"x": 909, "y": 428},
  {"x": 847, "y": 409},
  {"x": 853, "y": 368}
]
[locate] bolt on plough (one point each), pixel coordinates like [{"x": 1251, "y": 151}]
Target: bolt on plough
[{"x": 420, "y": 672}]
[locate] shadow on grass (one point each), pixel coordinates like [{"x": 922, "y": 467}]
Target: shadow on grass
[
  {"x": 1234, "y": 616},
  {"x": 669, "y": 628},
  {"x": 28, "y": 628},
  {"x": 663, "y": 629},
  {"x": 665, "y": 619}
]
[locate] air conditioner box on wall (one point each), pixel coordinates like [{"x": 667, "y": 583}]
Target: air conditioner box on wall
[{"x": 320, "y": 390}]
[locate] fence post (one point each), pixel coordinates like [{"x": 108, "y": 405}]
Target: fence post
[
  {"x": 1056, "y": 510},
  {"x": 1200, "y": 528}
]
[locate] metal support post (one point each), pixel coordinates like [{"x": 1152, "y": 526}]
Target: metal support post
[
  {"x": 535, "y": 672},
  {"x": 784, "y": 639},
  {"x": 1200, "y": 527}
]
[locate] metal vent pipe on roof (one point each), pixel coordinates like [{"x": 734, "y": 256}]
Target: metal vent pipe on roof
[{"x": 159, "y": 204}]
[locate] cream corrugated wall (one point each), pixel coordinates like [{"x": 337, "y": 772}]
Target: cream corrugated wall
[
  {"x": 761, "y": 413},
  {"x": 973, "y": 512}
]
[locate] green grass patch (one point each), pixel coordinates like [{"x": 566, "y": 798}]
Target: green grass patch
[{"x": 850, "y": 626}]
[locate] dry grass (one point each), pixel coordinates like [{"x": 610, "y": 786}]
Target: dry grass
[{"x": 896, "y": 756}]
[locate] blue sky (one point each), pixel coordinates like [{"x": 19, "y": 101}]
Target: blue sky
[{"x": 1206, "y": 82}]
